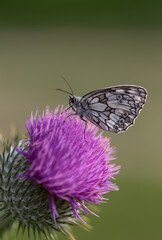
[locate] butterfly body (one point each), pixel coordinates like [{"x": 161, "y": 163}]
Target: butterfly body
[{"x": 112, "y": 109}]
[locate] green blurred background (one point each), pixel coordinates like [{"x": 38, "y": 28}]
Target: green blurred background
[{"x": 95, "y": 44}]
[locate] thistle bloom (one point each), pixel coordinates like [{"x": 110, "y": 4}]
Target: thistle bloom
[{"x": 66, "y": 165}]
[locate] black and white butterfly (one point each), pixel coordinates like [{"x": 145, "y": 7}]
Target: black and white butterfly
[{"x": 112, "y": 109}]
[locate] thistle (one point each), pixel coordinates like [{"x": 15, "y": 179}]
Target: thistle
[{"x": 48, "y": 181}]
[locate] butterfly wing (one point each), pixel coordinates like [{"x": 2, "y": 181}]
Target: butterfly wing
[{"x": 115, "y": 108}]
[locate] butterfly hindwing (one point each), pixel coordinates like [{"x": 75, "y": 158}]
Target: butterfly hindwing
[{"x": 114, "y": 109}]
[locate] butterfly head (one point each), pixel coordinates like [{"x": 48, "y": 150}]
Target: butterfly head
[{"x": 74, "y": 102}]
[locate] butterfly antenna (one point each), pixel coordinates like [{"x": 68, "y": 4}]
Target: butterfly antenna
[
  {"x": 68, "y": 85},
  {"x": 58, "y": 89}
]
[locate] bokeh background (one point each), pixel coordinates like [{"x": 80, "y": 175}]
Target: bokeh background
[{"x": 95, "y": 44}]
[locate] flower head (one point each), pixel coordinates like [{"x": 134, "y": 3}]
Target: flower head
[{"x": 66, "y": 165}]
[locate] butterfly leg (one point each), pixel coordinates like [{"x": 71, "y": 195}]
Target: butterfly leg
[
  {"x": 85, "y": 127},
  {"x": 66, "y": 109},
  {"x": 72, "y": 114}
]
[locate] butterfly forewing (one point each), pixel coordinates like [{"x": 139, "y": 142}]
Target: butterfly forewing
[{"x": 115, "y": 108}]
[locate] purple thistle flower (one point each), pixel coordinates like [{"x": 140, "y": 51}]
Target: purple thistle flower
[{"x": 65, "y": 164}]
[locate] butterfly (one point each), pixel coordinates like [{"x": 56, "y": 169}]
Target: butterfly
[{"x": 111, "y": 109}]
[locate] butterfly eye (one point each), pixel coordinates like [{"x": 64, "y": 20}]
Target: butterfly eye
[{"x": 72, "y": 100}]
